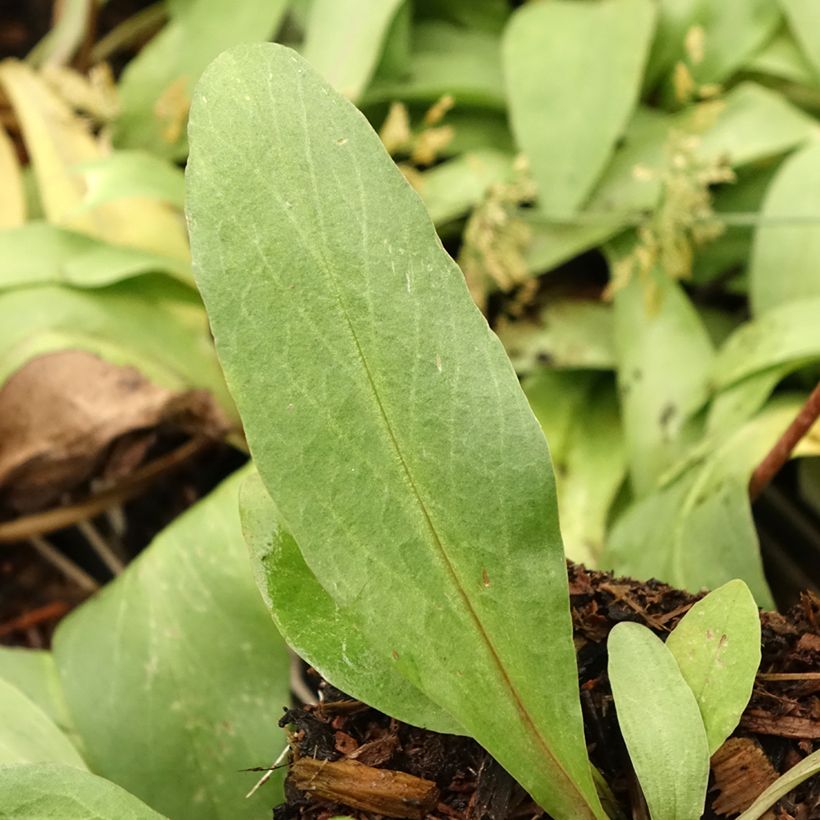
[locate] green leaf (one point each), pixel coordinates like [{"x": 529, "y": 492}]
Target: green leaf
[
  {"x": 801, "y": 16},
  {"x": 316, "y": 628},
  {"x": 27, "y": 733},
  {"x": 802, "y": 771},
  {"x": 344, "y": 40},
  {"x": 660, "y": 722},
  {"x": 782, "y": 58},
  {"x": 33, "y": 672},
  {"x": 664, "y": 360},
  {"x": 717, "y": 647},
  {"x": 32, "y": 792},
  {"x": 155, "y": 88},
  {"x": 384, "y": 417},
  {"x": 786, "y": 334},
  {"x": 123, "y": 174},
  {"x": 787, "y": 240},
  {"x": 446, "y": 59},
  {"x": 179, "y": 655},
  {"x": 39, "y": 253},
  {"x": 568, "y": 111},
  {"x": 155, "y": 325}
]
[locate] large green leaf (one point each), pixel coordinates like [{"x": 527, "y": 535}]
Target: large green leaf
[
  {"x": 155, "y": 89},
  {"x": 569, "y": 105},
  {"x": 786, "y": 247},
  {"x": 384, "y": 417},
  {"x": 32, "y": 792},
  {"x": 660, "y": 722},
  {"x": 174, "y": 674},
  {"x": 325, "y": 635},
  {"x": 39, "y": 253},
  {"x": 27, "y": 733},
  {"x": 344, "y": 40},
  {"x": 717, "y": 647}
]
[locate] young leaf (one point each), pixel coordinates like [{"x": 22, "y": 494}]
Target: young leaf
[
  {"x": 567, "y": 109},
  {"x": 12, "y": 197},
  {"x": 660, "y": 722},
  {"x": 717, "y": 647},
  {"x": 382, "y": 413},
  {"x": 801, "y": 16},
  {"x": 32, "y": 792},
  {"x": 788, "y": 236},
  {"x": 28, "y": 735},
  {"x": 325, "y": 635},
  {"x": 195, "y": 675}
]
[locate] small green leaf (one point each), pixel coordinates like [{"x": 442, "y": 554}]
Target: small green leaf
[
  {"x": 787, "y": 241},
  {"x": 179, "y": 657},
  {"x": 27, "y": 733},
  {"x": 717, "y": 647},
  {"x": 566, "y": 110},
  {"x": 383, "y": 415},
  {"x": 316, "y": 628},
  {"x": 344, "y": 40},
  {"x": 660, "y": 722},
  {"x": 806, "y": 768},
  {"x": 32, "y": 792}
]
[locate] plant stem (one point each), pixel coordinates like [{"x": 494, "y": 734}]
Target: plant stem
[{"x": 779, "y": 454}]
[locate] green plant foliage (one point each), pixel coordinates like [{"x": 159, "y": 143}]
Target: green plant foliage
[
  {"x": 345, "y": 38},
  {"x": 787, "y": 241},
  {"x": 32, "y": 792},
  {"x": 155, "y": 89},
  {"x": 325, "y": 635},
  {"x": 717, "y": 647},
  {"x": 384, "y": 417},
  {"x": 28, "y": 734},
  {"x": 179, "y": 654},
  {"x": 556, "y": 91},
  {"x": 660, "y": 722},
  {"x": 658, "y": 332},
  {"x": 38, "y": 253}
]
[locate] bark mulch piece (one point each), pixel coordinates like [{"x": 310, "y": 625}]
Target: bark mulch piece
[{"x": 351, "y": 760}]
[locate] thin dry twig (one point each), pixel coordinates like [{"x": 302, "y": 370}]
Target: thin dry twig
[
  {"x": 64, "y": 564},
  {"x": 779, "y": 454}
]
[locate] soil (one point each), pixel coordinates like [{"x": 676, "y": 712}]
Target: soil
[{"x": 346, "y": 757}]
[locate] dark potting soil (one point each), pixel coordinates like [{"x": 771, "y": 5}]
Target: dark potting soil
[{"x": 348, "y": 759}]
